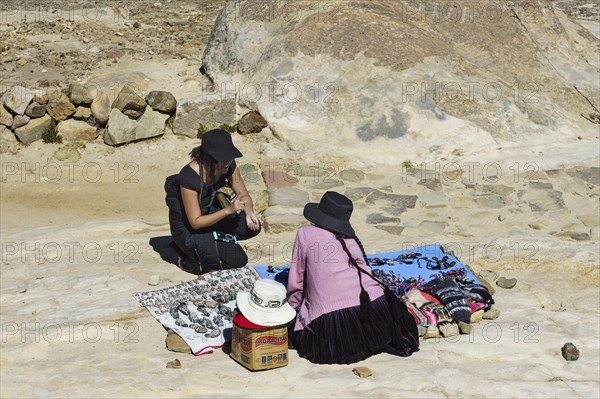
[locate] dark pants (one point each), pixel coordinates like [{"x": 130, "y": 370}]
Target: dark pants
[{"x": 200, "y": 253}]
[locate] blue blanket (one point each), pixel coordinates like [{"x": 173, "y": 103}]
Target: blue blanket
[{"x": 414, "y": 266}]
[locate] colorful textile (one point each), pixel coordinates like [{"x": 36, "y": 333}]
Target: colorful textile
[{"x": 453, "y": 299}]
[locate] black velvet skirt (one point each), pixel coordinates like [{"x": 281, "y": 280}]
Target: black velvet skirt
[{"x": 341, "y": 337}]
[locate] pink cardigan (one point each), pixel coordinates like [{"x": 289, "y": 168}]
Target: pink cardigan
[{"x": 322, "y": 274}]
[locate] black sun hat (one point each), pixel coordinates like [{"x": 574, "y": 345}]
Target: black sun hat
[
  {"x": 331, "y": 213},
  {"x": 218, "y": 144}
]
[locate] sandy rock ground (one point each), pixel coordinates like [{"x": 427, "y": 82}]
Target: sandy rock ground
[{"x": 75, "y": 240}]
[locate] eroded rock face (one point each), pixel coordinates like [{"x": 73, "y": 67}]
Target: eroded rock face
[{"x": 387, "y": 73}]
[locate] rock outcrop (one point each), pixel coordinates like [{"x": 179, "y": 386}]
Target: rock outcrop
[{"x": 402, "y": 76}]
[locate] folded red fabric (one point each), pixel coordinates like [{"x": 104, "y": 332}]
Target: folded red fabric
[{"x": 243, "y": 322}]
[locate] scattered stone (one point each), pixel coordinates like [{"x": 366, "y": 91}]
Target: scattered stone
[
  {"x": 490, "y": 201},
  {"x": 491, "y": 314},
  {"x": 356, "y": 194},
  {"x": 378, "y": 218},
  {"x": 129, "y": 103},
  {"x": 196, "y": 117},
  {"x": 488, "y": 275},
  {"x": 449, "y": 330},
  {"x": 101, "y": 108},
  {"x": 21, "y": 62},
  {"x": 177, "y": 22},
  {"x": 174, "y": 364},
  {"x": 352, "y": 175},
  {"x": 476, "y": 317},
  {"x": 74, "y": 130},
  {"x": 65, "y": 37},
  {"x": 501, "y": 218},
  {"x": 288, "y": 197},
  {"x": 20, "y": 120},
  {"x": 154, "y": 280},
  {"x": 80, "y": 94},
  {"x": 432, "y": 184},
  {"x": 21, "y": 288},
  {"x": 572, "y": 235},
  {"x": 279, "y": 220},
  {"x": 465, "y": 328},
  {"x": 395, "y": 230},
  {"x": 252, "y": 122},
  {"x": 82, "y": 113},
  {"x": 68, "y": 152},
  {"x": 506, "y": 283},
  {"x": 176, "y": 344},
  {"x": 162, "y": 101},
  {"x": 17, "y": 99},
  {"x": 137, "y": 25},
  {"x": 33, "y": 130},
  {"x": 570, "y": 352},
  {"x": 35, "y": 110},
  {"x": 59, "y": 107},
  {"x": 6, "y": 117},
  {"x": 362, "y": 372}
]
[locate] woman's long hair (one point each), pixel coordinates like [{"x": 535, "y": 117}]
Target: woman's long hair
[{"x": 207, "y": 162}]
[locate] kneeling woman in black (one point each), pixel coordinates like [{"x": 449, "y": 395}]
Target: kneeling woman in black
[{"x": 195, "y": 211}]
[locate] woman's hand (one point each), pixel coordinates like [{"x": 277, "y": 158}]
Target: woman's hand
[
  {"x": 236, "y": 206},
  {"x": 252, "y": 221}
]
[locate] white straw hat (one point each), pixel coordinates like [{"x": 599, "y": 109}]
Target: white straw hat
[{"x": 266, "y": 305}]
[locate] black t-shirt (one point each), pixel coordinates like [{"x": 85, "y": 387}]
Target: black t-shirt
[{"x": 189, "y": 179}]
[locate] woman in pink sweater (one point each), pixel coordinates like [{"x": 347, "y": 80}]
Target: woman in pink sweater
[{"x": 343, "y": 315}]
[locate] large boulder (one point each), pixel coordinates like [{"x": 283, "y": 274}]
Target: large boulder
[
  {"x": 80, "y": 94},
  {"x": 130, "y": 103},
  {"x": 388, "y": 74},
  {"x": 162, "y": 101},
  {"x": 33, "y": 130},
  {"x": 59, "y": 107},
  {"x": 121, "y": 129},
  {"x": 251, "y": 122},
  {"x": 35, "y": 110},
  {"x": 101, "y": 108},
  {"x": 74, "y": 130},
  {"x": 17, "y": 98},
  {"x": 20, "y": 120},
  {"x": 195, "y": 116}
]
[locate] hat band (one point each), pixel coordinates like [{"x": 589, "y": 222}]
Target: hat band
[{"x": 270, "y": 304}]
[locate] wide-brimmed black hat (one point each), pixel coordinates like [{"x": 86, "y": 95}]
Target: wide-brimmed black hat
[
  {"x": 331, "y": 213},
  {"x": 218, "y": 144}
]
